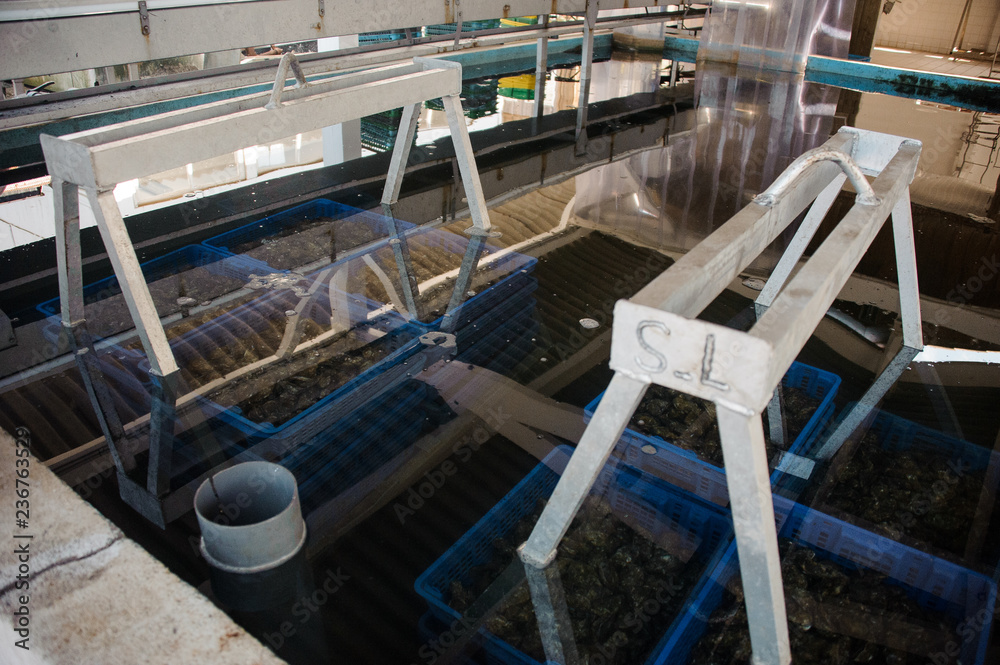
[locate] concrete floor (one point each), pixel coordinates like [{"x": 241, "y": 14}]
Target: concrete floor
[{"x": 94, "y": 596}]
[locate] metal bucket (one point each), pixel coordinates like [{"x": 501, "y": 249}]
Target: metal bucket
[{"x": 250, "y": 517}]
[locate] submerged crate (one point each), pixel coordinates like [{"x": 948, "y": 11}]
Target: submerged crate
[
  {"x": 966, "y": 598},
  {"x": 685, "y": 469},
  {"x": 399, "y": 342},
  {"x": 664, "y": 512},
  {"x": 927, "y": 477},
  {"x": 316, "y": 232},
  {"x": 509, "y": 338},
  {"x": 195, "y": 273},
  {"x": 346, "y": 455}
]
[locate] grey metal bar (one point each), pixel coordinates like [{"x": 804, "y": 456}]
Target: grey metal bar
[
  {"x": 390, "y": 195},
  {"x": 295, "y": 322},
  {"x": 161, "y": 432},
  {"x": 906, "y": 271},
  {"x": 756, "y": 535},
  {"x": 407, "y": 278},
  {"x": 803, "y": 235},
  {"x": 775, "y": 420},
  {"x": 470, "y": 261},
  {"x": 606, "y": 427},
  {"x": 110, "y": 423},
  {"x": 133, "y": 284},
  {"x": 467, "y": 164},
  {"x": 549, "y": 600},
  {"x": 458, "y": 26},
  {"x": 586, "y": 72},
  {"x": 541, "y": 70},
  {"x": 66, "y": 202},
  {"x": 866, "y": 195},
  {"x": 400, "y": 155},
  {"x": 850, "y": 421}
]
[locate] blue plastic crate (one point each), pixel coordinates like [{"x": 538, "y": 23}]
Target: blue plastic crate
[
  {"x": 485, "y": 309},
  {"x": 127, "y": 380},
  {"x": 467, "y": 26},
  {"x": 934, "y": 583},
  {"x": 683, "y": 468},
  {"x": 633, "y": 496},
  {"x": 264, "y": 315},
  {"x": 368, "y": 385},
  {"x": 346, "y": 454},
  {"x": 238, "y": 269},
  {"x": 265, "y": 234},
  {"x": 508, "y": 339},
  {"x": 510, "y": 272},
  {"x": 384, "y": 36},
  {"x": 898, "y": 434},
  {"x": 431, "y": 631}
]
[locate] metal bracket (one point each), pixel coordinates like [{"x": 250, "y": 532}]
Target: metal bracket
[
  {"x": 143, "y": 18},
  {"x": 322, "y": 9},
  {"x": 287, "y": 60}
]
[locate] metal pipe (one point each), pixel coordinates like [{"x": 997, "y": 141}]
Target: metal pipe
[{"x": 250, "y": 517}]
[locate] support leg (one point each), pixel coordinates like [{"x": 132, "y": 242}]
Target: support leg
[
  {"x": 586, "y": 72},
  {"x": 473, "y": 252},
  {"x": 343, "y": 313},
  {"x": 161, "y": 432},
  {"x": 775, "y": 421},
  {"x": 294, "y": 323},
  {"x": 552, "y": 612},
  {"x": 850, "y": 421},
  {"x": 804, "y": 234},
  {"x": 541, "y": 70},
  {"x": 906, "y": 270},
  {"x": 133, "y": 284},
  {"x": 390, "y": 195},
  {"x": 400, "y": 155},
  {"x": 756, "y": 536},
  {"x": 163, "y": 366},
  {"x": 606, "y": 427},
  {"x": 467, "y": 165},
  {"x": 68, "y": 261}
]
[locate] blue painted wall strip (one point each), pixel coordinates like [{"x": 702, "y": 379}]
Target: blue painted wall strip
[{"x": 976, "y": 94}]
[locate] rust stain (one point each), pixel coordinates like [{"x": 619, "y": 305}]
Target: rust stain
[
  {"x": 626, "y": 5},
  {"x": 555, "y": 7},
  {"x": 506, "y": 11},
  {"x": 449, "y": 17},
  {"x": 500, "y": 174}
]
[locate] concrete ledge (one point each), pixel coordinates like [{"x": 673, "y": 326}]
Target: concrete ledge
[{"x": 93, "y": 595}]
